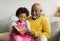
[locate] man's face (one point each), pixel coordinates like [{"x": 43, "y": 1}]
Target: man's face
[{"x": 35, "y": 11}]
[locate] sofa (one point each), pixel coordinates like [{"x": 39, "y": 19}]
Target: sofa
[{"x": 55, "y": 28}]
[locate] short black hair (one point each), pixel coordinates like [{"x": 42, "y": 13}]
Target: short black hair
[{"x": 22, "y": 10}]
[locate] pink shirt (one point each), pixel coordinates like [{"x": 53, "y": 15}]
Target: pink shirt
[{"x": 21, "y": 25}]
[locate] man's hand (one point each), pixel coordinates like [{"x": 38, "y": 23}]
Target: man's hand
[{"x": 31, "y": 33}]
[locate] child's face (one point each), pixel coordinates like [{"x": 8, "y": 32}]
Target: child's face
[{"x": 22, "y": 17}]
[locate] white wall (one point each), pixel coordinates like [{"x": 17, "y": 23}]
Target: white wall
[{"x": 9, "y": 7}]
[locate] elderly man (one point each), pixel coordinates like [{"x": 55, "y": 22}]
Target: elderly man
[{"x": 39, "y": 24}]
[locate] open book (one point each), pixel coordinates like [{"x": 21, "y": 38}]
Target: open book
[
  {"x": 28, "y": 31},
  {"x": 16, "y": 27}
]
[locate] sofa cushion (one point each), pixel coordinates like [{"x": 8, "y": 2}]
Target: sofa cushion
[{"x": 4, "y": 36}]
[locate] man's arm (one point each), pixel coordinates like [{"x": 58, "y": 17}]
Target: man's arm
[{"x": 46, "y": 28}]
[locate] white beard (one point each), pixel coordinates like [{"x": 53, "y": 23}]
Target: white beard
[{"x": 34, "y": 16}]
